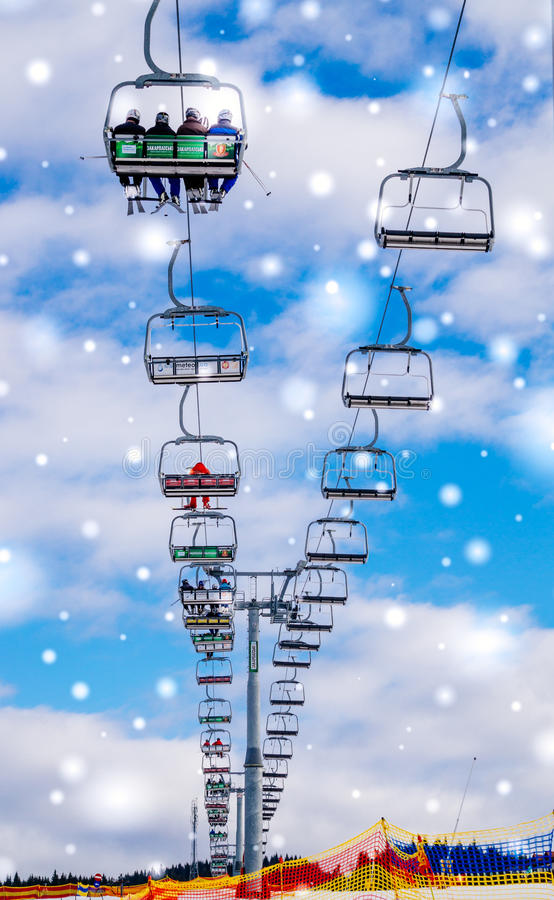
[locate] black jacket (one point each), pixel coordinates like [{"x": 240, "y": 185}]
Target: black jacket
[
  {"x": 129, "y": 128},
  {"x": 160, "y": 128}
]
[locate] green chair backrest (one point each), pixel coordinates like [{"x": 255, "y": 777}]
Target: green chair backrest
[
  {"x": 190, "y": 147},
  {"x": 128, "y": 149}
]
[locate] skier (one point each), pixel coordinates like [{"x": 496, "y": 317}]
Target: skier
[
  {"x": 193, "y": 125},
  {"x": 199, "y": 469},
  {"x": 223, "y": 127},
  {"x": 130, "y": 126},
  {"x": 162, "y": 129}
]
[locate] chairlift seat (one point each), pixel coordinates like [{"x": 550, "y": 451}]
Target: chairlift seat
[
  {"x": 179, "y": 367},
  {"x": 214, "y": 711},
  {"x": 388, "y": 376},
  {"x": 299, "y": 643},
  {"x": 213, "y": 765},
  {"x": 277, "y": 748},
  {"x": 291, "y": 661},
  {"x": 282, "y": 725},
  {"x": 197, "y": 623},
  {"x": 438, "y": 236},
  {"x": 336, "y": 540},
  {"x": 199, "y": 485},
  {"x": 358, "y": 473},
  {"x": 180, "y": 156},
  {"x": 321, "y": 585},
  {"x": 286, "y": 693},
  {"x": 214, "y": 670},
  {"x": 208, "y": 643},
  {"x": 293, "y": 624},
  {"x": 190, "y": 533}
]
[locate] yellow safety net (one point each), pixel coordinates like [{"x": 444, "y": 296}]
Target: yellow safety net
[{"x": 383, "y": 862}]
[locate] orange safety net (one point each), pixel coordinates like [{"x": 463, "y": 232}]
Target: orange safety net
[{"x": 383, "y": 862}]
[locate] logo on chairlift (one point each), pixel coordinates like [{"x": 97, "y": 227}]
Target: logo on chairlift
[{"x": 220, "y": 149}]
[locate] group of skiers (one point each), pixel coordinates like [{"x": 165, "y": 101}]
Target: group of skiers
[{"x": 192, "y": 125}]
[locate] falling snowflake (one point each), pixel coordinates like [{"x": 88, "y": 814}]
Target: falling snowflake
[
  {"x": 38, "y": 71},
  {"x": 80, "y": 690}
]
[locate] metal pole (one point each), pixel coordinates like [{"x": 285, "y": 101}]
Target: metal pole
[
  {"x": 253, "y": 764},
  {"x": 193, "y": 834},
  {"x": 239, "y": 836}
]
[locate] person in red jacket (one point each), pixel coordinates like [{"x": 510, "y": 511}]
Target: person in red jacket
[{"x": 199, "y": 469}]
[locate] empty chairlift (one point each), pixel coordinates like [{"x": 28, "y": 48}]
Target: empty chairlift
[
  {"x": 203, "y": 537},
  {"x": 295, "y": 640},
  {"x": 389, "y": 376},
  {"x": 275, "y": 768},
  {"x": 286, "y": 693},
  {"x": 339, "y": 540},
  {"x": 321, "y": 585},
  {"x": 447, "y": 208},
  {"x": 301, "y": 617},
  {"x": 214, "y": 711},
  {"x": 214, "y": 670},
  {"x": 186, "y": 345},
  {"x": 281, "y": 724},
  {"x": 277, "y": 748},
  {"x": 288, "y": 659},
  {"x": 275, "y": 785},
  {"x": 358, "y": 473},
  {"x": 216, "y": 765}
]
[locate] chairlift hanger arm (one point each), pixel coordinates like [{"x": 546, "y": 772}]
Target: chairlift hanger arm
[
  {"x": 463, "y": 128},
  {"x": 195, "y": 438},
  {"x": 147, "y": 51},
  {"x": 176, "y": 248}
]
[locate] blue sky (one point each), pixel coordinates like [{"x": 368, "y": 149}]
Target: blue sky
[{"x": 430, "y": 640}]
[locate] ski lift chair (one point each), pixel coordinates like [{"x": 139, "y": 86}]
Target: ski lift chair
[
  {"x": 299, "y": 659},
  {"x": 277, "y": 748},
  {"x": 449, "y": 208},
  {"x": 179, "y": 457},
  {"x": 275, "y": 768},
  {"x": 217, "y": 597},
  {"x": 203, "y": 537},
  {"x": 221, "y": 642},
  {"x": 282, "y": 724},
  {"x": 358, "y": 473},
  {"x": 341, "y": 540},
  {"x": 301, "y": 618},
  {"x": 298, "y": 640},
  {"x": 321, "y": 585},
  {"x": 389, "y": 376},
  {"x": 183, "y": 155},
  {"x": 215, "y": 742},
  {"x": 286, "y": 693},
  {"x": 214, "y": 670},
  {"x": 214, "y": 711},
  {"x": 180, "y": 364},
  {"x": 216, "y": 765}
]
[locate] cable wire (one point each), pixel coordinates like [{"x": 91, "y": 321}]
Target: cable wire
[{"x": 180, "y": 54}]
